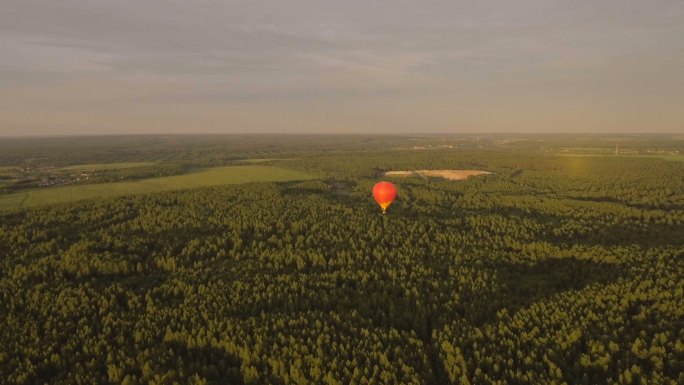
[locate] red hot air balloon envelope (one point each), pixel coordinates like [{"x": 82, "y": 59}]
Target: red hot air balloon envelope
[{"x": 384, "y": 193}]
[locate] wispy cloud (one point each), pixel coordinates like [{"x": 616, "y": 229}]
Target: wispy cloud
[{"x": 432, "y": 65}]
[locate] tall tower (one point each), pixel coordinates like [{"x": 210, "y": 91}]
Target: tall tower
[{"x": 617, "y": 149}]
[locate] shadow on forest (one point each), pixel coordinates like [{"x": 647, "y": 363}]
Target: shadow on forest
[
  {"x": 215, "y": 365},
  {"x": 523, "y": 285},
  {"x": 645, "y": 235},
  {"x": 520, "y": 286},
  {"x": 135, "y": 282},
  {"x": 338, "y": 190},
  {"x": 386, "y": 303},
  {"x": 639, "y": 206},
  {"x": 422, "y": 306}
]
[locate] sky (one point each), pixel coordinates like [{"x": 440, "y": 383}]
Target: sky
[{"x": 74, "y": 67}]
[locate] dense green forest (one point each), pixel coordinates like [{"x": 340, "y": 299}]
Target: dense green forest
[{"x": 553, "y": 269}]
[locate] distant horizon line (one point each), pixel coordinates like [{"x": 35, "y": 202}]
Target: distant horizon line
[{"x": 38, "y": 136}]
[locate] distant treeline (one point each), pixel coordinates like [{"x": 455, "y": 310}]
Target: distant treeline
[{"x": 218, "y": 149}]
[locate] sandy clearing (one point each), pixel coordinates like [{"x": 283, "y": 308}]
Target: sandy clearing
[{"x": 446, "y": 174}]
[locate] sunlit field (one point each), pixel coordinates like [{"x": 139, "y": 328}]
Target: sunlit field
[{"x": 200, "y": 178}]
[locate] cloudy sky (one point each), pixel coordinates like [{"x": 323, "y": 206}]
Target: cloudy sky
[{"x": 152, "y": 66}]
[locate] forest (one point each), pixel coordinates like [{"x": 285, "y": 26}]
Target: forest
[{"x": 563, "y": 266}]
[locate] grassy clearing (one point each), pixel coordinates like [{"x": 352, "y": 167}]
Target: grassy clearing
[
  {"x": 106, "y": 166},
  {"x": 201, "y": 178}
]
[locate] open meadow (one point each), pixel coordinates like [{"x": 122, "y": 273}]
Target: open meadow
[{"x": 198, "y": 178}]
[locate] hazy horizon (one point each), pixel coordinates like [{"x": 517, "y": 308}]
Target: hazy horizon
[
  {"x": 489, "y": 134},
  {"x": 82, "y": 67}
]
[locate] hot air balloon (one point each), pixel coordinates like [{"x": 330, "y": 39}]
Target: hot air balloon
[{"x": 384, "y": 193}]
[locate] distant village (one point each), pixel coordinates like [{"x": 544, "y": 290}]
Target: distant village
[{"x": 42, "y": 176}]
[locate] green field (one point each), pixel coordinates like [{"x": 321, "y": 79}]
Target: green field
[
  {"x": 257, "y": 160},
  {"x": 202, "y": 178},
  {"x": 106, "y": 166},
  {"x": 675, "y": 158},
  {"x": 7, "y": 170}
]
